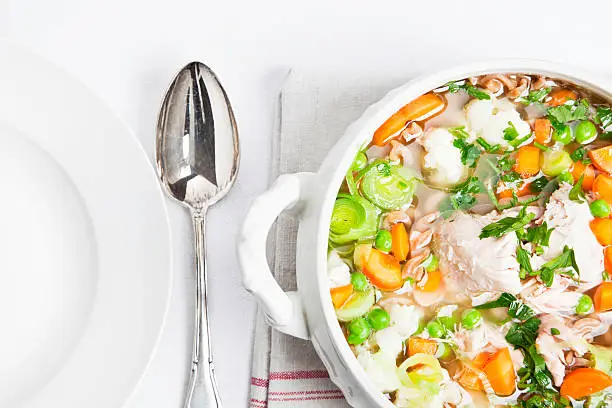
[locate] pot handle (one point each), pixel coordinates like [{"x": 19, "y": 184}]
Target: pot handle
[{"x": 282, "y": 310}]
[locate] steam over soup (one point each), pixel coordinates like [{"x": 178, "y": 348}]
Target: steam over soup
[{"x": 470, "y": 247}]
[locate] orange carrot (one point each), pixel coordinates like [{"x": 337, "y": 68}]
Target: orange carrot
[
  {"x": 602, "y": 187},
  {"x": 400, "y": 244},
  {"x": 522, "y": 191},
  {"x": 560, "y": 96},
  {"x": 602, "y": 300},
  {"x": 383, "y": 270},
  {"x": 500, "y": 372},
  {"x": 583, "y": 382},
  {"x": 434, "y": 278},
  {"x": 579, "y": 169},
  {"x": 468, "y": 378},
  {"x": 527, "y": 161},
  {"x": 542, "y": 130},
  {"x": 340, "y": 295},
  {"x": 608, "y": 259},
  {"x": 419, "y": 345},
  {"x": 602, "y": 228},
  {"x": 602, "y": 158},
  {"x": 424, "y": 106}
]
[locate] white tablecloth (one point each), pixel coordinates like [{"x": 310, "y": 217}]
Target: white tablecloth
[{"x": 127, "y": 50}]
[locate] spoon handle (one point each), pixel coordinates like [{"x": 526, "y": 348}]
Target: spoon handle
[{"x": 202, "y": 391}]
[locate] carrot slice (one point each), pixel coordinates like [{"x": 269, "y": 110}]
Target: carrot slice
[
  {"x": 602, "y": 158},
  {"x": 468, "y": 378},
  {"x": 419, "y": 345},
  {"x": 602, "y": 228},
  {"x": 602, "y": 187},
  {"x": 383, "y": 270},
  {"x": 583, "y": 382},
  {"x": 500, "y": 372},
  {"x": 434, "y": 278},
  {"x": 422, "y": 107},
  {"x": 608, "y": 259},
  {"x": 560, "y": 96},
  {"x": 522, "y": 191},
  {"x": 400, "y": 244},
  {"x": 579, "y": 169},
  {"x": 340, "y": 295},
  {"x": 602, "y": 299},
  {"x": 542, "y": 129},
  {"x": 527, "y": 161}
]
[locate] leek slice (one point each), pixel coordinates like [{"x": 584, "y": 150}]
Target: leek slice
[
  {"x": 353, "y": 218},
  {"x": 387, "y": 186}
]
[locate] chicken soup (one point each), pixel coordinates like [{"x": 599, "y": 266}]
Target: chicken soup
[{"x": 470, "y": 247}]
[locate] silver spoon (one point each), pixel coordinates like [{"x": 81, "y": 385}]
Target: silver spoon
[{"x": 197, "y": 159}]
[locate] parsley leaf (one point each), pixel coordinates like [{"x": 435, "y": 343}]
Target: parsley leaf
[
  {"x": 535, "y": 96},
  {"x": 505, "y": 162},
  {"x": 504, "y": 300},
  {"x": 507, "y": 224},
  {"x": 562, "y": 114},
  {"x": 511, "y": 177},
  {"x": 510, "y": 133},
  {"x": 538, "y": 184},
  {"x": 603, "y": 116},
  {"x": 512, "y": 136},
  {"x": 462, "y": 197},
  {"x": 469, "y": 152},
  {"x": 470, "y": 89},
  {"x": 567, "y": 259},
  {"x": 538, "y": 235},
  {"x": 576, "y": 193},
  {"x": 522, "y": 256},
  {"x": 524, "y": 334},
  {"x": 578, "y": 154}
]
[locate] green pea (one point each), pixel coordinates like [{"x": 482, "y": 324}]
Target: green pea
[
  {"x": 563, "y": 135},
  {"x": 430, "y": 263},
  {"x": 361, "y": 161},
  {"x": 359, "y": 282},
  {"x": 435, "y": 330},
  {"x": 585, "y": 305},
  {"x": 383, "y": 241},
  {"x": 585, "y": 132},
  {"x": 358, "y": 331},
  {"x": 448, "y": 322},
  {"x": 600, "y": 208},
  {"x": 470, "y": 318},
  {"x": 566, "y": 177},
  {"x": 378, "y": 318}
]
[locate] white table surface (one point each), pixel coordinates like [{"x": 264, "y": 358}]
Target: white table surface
[{"x": 126, "y": 51}]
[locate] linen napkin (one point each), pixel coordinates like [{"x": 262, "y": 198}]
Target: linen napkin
[{"x": 313, "y": 111}]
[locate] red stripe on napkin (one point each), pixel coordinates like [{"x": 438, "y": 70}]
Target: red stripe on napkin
[{"x": 298, "y": 375}]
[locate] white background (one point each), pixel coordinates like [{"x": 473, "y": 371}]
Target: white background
[{"x": 126, "y": 51}]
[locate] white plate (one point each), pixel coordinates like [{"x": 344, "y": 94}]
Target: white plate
[{"x": 85, "y": 273}]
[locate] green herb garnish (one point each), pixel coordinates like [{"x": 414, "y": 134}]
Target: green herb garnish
[
  {"x": 459, "y": 132},
  {"x": 560, "y": 264},
  {"x": 576, "y": 194},
  {"x": 471, "y": 90},
  {"x": 542, "y": 147},
  {"x": 603, "y": 116},
  {"x": 469, "y": 152},
  {"x": 578, "y": 154},
  {"x": 507, "y": 224},
  {"x": 462, "y": 197},
  {"x": 535, "y": 96},
  {"x": 487, "y": 146}
]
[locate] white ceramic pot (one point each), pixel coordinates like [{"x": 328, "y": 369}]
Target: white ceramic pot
[{"x": 308, "y": 313}]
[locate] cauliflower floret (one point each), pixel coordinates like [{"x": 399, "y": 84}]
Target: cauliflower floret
[
  {"x": 338, "y": 273},
  {"x": 405, "y": 319},
  {"x": 488, "y": 118},
  {"x": 442, "y": 161},
  {"x": 381, "y": 369},
  {"x": 389, "y": 341}
]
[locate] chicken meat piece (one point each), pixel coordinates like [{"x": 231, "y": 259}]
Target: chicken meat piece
[
  {"x": 570, "y": 221},
  {"x": 556, "y": 299},
  {"x": 477, "y": 265}
]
